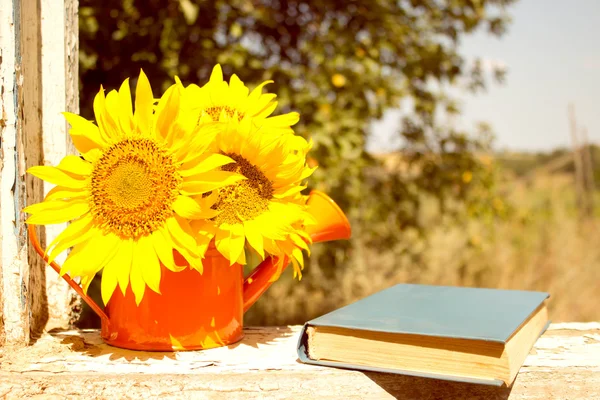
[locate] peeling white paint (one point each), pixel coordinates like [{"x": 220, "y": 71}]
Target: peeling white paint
[
  {"x": 56, "y": 141},
  {"x": 33, "y": 132},
  {"x": 14, "y": 257}
]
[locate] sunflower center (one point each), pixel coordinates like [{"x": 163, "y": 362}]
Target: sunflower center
[
  {"x": 215, "y": 112},
  {"x": 247, "y": 199},
  {"x": 133, "y": 186}
]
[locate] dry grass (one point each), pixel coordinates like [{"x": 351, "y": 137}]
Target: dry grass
[{"x": 543, "y": 245}]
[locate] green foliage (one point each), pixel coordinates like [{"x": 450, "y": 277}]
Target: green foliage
[{"x": 341, "y": 64}]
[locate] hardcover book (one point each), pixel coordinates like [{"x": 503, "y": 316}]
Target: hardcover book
[{"x": 452, "y": 333}]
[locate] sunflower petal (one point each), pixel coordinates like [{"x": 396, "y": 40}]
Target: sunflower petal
[
  {"x": 164, "y": 250},
  {"x": 92, "y": 155},
  {"x": 56, "y": 212},
  {"x": 283, "y": 121},
  {"x": 181, "y": 232},
  {"x": 107, "y": 126},
  {"x": 75, "y": 165},
  {"x": 223, "y": 241},
  {"x": 75, "y": 233},
  {"x": 186, "y": 207},
  {"x": 257, "y": 92},
  {"x": 281, "y": 194},
  {"x": 216, "y": 75},
  {"x": 150, "y": 264},
  {"x": 126, "y": 109},
  {"x": 191, "y": 256},
  {"x": 85, "y": 135},
  {"x": 237, "y": 242},
  {"x": 57, "y": 177},
  {"x": 120, "y": 265},
  {"x": 109, "y": 281},
  {"x": 61, "y": 193},
  {"x": 136, "y": 279},
  {"x": 208, "y": 163},
  {"x": 167, "y": 111},
  {"x": 144, "y": 101},
  {"x": 254, "y": 237},
  {"x": 238, "y": 89},
  {"x": 210, "y": 181}
]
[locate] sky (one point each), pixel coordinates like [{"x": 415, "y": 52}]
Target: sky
[{"x": 552, "y": 53}]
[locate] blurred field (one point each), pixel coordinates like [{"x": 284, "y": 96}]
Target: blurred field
[{"x": 542, "y": 244}]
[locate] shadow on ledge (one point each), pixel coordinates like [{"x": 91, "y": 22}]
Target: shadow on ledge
[
  {"x": 89, "y": 343},
  {"x": 412, "y": 387}
]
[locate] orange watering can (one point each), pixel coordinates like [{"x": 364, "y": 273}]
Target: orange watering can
[{"x": 199, "y": 311}]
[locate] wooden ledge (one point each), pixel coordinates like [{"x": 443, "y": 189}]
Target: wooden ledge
[{"x": 565, "y": 363}]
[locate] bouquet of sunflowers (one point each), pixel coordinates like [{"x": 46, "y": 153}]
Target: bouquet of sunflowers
[{"x": 199, "y": 167}]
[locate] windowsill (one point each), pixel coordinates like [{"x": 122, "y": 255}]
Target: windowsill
[{"x": 564, "y": 363}]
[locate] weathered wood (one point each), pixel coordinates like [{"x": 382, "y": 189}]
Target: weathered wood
[
  {"x": 565, "y": 363},
  {"x": 38, "y": 80},
  {"x": 59, "y": 44},
  {"x": 14, "y": 267}
]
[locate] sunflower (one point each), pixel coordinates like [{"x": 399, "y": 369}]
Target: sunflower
[
  {"x": 131, "y": 195},
  {"x": 265, "y": 212},
  {"x": 220, "y": 101}
]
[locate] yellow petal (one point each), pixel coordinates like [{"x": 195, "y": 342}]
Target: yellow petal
[
  {"x": 75, "y": 165},
  {"x": 183, "y": 240},
  {"x": 297, "y": 254},
  {"x": 237, "y": 242},
  {"x": 186, "y": 207},
  {"x": 84, "y": 133},
  {"x": 207, "y": 163},
  {"x": 73, "y": 263},
  {"x": 210, "y": 181},
  {"x": 205, "y": 232},
  {"x": 75, "y": 233},
  {"x": 138, "y": 286},
  {"x": 267, "y": 110},
  {"x": 109, "y": 281},
  {"x": 216, "y": 75},
  {"x": 238, "y": 89},
  {"x": 87, "y": 258},
  {"x": 167, "y": 111},
  {"x": 288, "y": 191},
  {"x": 126, "y": 111},
  {"x": 182, "y": 233},
  {"x": 164, "y": 249},
  {"x": 56, "y": 212},
  {"x": 60, "y": 193},
  {"x": 257, "y": 92},
  {"x": 254, "y": 237},
  {"x": 93, "y": 155},
  {"x": 119, "y": 266},
  {"x": 57, "y": 177},
  {"x": 106, "y": 124},
  {"x": 284, "y": 120},
  {"x": 189, "y": 152},
  {"x": 149, "y": 263},
  {"x": 223, "y": 242},
  {"x": 143, "y": 104}
]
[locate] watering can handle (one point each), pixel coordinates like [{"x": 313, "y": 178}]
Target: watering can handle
[
  {"x": 331, "y": 224},
  {"x": 93, "y": 305},
  {"x": 261, "y": 278}
]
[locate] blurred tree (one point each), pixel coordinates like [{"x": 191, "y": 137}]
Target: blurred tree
[{"x": 341, "y": 64}]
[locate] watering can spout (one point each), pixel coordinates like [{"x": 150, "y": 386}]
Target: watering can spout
[{"x": 331, "y": 224}]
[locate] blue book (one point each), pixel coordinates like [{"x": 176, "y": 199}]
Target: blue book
[{"x": 452, "y": 333}]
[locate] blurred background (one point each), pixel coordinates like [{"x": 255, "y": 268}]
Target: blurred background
[{"x": 458, "y": 135}]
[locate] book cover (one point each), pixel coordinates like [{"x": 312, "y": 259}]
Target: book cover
[{"x": 438, "y": 311}]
